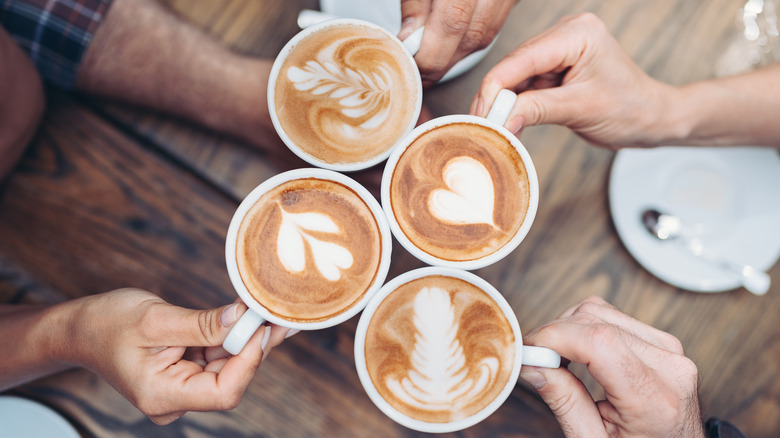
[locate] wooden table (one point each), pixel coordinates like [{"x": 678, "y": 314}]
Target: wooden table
[{"x": 110, "y": 196}]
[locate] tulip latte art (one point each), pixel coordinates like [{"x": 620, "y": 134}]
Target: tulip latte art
[
  {"x": 308, "y": 249},
  {"x": 460, "y": 191},
  {"x": 346, "y": 94},
  {"x": 439, "y": 349}
]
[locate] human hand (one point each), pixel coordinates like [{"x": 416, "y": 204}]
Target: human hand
[
  {"x": 453, "y": 29},
  {"x": 165, "y": 359},
  {"x": 650, "y": 386},
  {"x": 575, "y": 74}
]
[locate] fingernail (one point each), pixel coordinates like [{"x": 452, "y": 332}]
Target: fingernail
[
  {"x": 533, "y": 377},
  {"x": 515, "y": 124},
  {"x": 480, "y": 105},
  {"x": 229, "y": 315},
  {"x": 266, "y": 337},
  {"x": 291, "y": 333},
  {"x": 407, "y": 27}
]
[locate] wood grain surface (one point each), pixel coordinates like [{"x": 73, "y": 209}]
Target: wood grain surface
[{"x": 110, "y": 196}]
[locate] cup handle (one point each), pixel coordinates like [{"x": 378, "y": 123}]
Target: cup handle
[
  {"x": 412, "y": 42},
  {"x": 244, "y": 328},
  {"x": 502, "y": 106},
  {"x": 310, "y": 17},
  {"x": 540, "y": 357}
]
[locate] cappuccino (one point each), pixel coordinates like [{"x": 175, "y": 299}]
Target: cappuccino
[
  {"x": 459, "y": 191},
  {"x": 439, "y": 349},
  {"x": 345, "y": 93},
  {"x": 309, "y": 249}
]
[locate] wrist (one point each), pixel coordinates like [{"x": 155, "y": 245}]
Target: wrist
[
  {"x": 673, "y": 118},
  {"x": 58, "y": 333}
]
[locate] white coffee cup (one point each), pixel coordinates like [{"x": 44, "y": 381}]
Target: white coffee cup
[
  {"x": 258, "y": 314},
  {"x": 523, "y": 355},
  {"x": 495, "y": 120},
  {"x": 409, "y": 46}
]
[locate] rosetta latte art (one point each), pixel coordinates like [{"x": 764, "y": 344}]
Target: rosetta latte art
[
  {"x": 359, "y": 95},
  {"x": 329, "y": 258},
  {"x": 439, "y": 377},
  {"x": 346, "y": 94}
]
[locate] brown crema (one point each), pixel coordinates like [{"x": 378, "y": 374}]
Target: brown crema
[
  {"x": 346, "y": 94},
  {"x": 420, "y": 172},
  {"x": 307, "y": 296},
  {"x": 403, "y": 368}
]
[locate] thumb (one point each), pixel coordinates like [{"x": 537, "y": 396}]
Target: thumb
[
  {"x": 568, "y": 399},
  {"x": 540, "y": 107},
  {"x": 180, "y": 327}
]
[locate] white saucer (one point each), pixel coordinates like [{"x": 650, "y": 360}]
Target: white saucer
[
  {"x": 387, "y": 13},
  {"x": 728, "y": 197},
  {"x": 20, "y": 417}
]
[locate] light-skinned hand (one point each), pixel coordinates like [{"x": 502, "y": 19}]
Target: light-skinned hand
[
  {"x": 575, "y": 74},
  {"x": 650, "y": 386}
]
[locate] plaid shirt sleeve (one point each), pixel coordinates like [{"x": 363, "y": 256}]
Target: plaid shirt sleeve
[{"x": 54, "y": 33}]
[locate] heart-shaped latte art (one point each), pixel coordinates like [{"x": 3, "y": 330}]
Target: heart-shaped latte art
[{"x": 469, "y": 196}]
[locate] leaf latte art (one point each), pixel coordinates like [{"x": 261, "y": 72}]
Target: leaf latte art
[
  {"x": 346, "y": 94},
  {"x": 439, "y": 349},
  {"x": 308, "y": 249}
]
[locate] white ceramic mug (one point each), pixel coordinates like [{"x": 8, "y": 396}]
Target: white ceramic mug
[
  {"x": 495, "y": 120},
  {"x": 410, "y": 46},
  {"x": 257, "y": 314},
  {"x": 523, "y": 355}
]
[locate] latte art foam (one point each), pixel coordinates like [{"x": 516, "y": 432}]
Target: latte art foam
[
  {"x": 308, "y": 249},
  {"x": 460, "y": 191},
  {"x": 438, "y": 349},
  {"x": 346, "y": 94}
]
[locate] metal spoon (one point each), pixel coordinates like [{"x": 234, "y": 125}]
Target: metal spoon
[{"x": 668, "y": 227}]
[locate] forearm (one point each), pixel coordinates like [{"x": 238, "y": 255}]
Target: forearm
[
  {"x": 738, "y": 110},
  {"x": 144, "y": 55},
  {"x": 21, "y": 102},
  {"x": 33, "y": 341}
]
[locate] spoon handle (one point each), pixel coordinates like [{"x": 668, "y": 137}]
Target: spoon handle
[{"x": 754, "y": 280}]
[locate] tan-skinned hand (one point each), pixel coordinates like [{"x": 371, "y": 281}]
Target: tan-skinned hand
[
  {"x": 650, "y": 386},
  {"x": 453, "y": 29},
  {"x": 165, "y": 359}
]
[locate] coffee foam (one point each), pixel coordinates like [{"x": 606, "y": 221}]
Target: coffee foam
[
  {"x": 346, "y": 94},
  {"x": 308, "y": 249},
  {"x": 460, "y": 191},
  {"x": 439, "y": 349}
]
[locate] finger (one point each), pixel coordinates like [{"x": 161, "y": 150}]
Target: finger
[
  {"x": 209, "y": 391},
  {"x": 612, "y": 315},
  {"x": 444, "y": 29},
  {"x": 277, "y": 336},
  {"x": 611, "y": 417},
  {"x": 568, "y": 399},
  {"x": 488, "y": 17},
  {"x": 560, "y": 106},
  {"x": 213, "y": 353},
  {"x": 170, "y": 325},
  {"x": 602, "y": 347},
  {"x": 163, "y": 420},
  {"x": 552, "y": 51},
  {"x": 414, "y": 13}
]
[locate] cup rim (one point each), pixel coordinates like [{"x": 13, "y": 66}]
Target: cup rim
[
  {"x": 266, "y": 186},
  {"x": 271, "y": 92},
  {"x": 488, "y": 259},
  {"x": 368, "y": 385}
]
